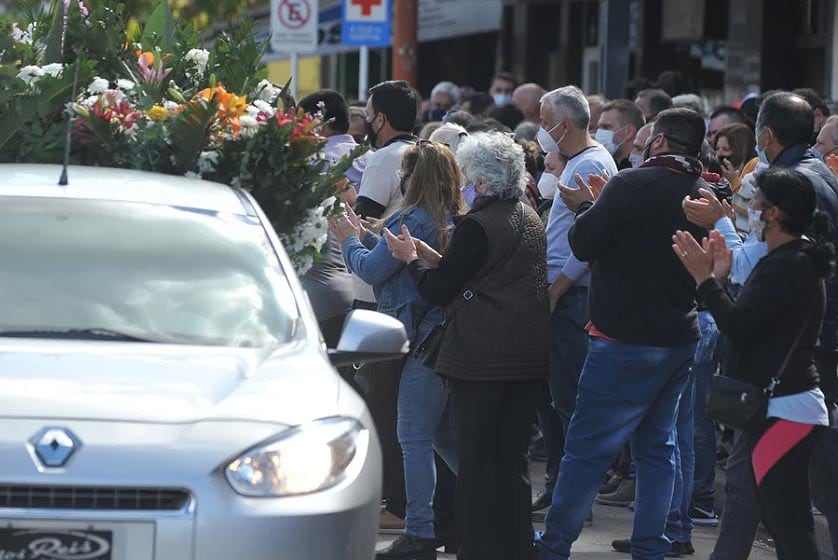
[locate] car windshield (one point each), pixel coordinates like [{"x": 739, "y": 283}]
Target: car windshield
[{"x": 127, "y": 271}]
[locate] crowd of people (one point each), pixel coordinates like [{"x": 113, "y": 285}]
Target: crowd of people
[{"x": 598, "y": 272}]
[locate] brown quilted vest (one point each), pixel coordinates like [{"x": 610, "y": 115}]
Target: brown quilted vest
[{"x": 498, "y": 328}]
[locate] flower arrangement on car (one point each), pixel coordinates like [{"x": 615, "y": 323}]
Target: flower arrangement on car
[{"x": 154, "y": 97}]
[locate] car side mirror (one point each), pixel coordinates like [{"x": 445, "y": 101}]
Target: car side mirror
[{"x": 369, "y": 336}]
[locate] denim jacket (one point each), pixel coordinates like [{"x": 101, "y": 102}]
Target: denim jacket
[{"x": 371, "y": 260}]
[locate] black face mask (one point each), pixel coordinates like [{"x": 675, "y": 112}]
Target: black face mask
[
  {"x": 372, "y": 135},
  {"x": 647, "y": 151}
]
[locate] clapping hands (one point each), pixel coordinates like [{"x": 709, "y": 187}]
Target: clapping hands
[
  {"x": 586, "y": 192},
  {"x": 346, "y": 225},
  {"x": 711, "y": 259}
]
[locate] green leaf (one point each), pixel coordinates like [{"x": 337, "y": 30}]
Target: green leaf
[
  {"x": 160, "y": 28},
  {"x": 54, "y": 52},
  {"x": 190, "y": 134}
]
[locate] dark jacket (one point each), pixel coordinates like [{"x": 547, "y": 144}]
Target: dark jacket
[
  {"x": 640, "y": 293},
  {"x": 782, "y": 296},
  {"x": 493, "y": 280},
  {"x": 801, "y": 158}
]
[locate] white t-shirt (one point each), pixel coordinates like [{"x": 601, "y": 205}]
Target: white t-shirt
[
  {"x": 380, "y": 183},
  {"x": 805, "y": 408}
]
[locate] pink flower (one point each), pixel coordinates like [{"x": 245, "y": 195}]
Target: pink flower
[{"x": 151, "y": 71}]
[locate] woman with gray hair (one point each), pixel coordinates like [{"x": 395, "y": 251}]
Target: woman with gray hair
[{"x": 492, "y": 346}]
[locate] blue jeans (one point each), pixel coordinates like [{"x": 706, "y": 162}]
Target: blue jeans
[
  {"x": 625, "y": 391},
  {"x": 425, "y": 424},
  {"x": 568, "y": 349},
  {"x": 706, "y": 364},
  {"x": 679, "y": 526}
]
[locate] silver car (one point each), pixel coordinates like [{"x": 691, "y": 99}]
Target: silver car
[{"x": 164, "y": 390}]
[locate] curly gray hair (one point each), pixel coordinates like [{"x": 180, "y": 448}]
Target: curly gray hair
[{"x": 495, "y": 160}]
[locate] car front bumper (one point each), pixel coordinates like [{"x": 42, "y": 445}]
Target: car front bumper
[{"x": 214, "y": 522}]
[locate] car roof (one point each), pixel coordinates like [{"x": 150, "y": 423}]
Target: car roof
[{"x": 120, "y": 185}]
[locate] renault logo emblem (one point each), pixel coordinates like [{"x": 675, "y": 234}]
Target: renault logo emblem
[{"x": 53, "y": 447}]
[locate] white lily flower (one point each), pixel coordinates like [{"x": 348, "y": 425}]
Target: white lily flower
[
  {"x": 53, "y": 69},
  {"x": 30, "y": 74}
]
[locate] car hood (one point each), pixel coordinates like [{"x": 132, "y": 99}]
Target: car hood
[{"x": 93, "y": 380}]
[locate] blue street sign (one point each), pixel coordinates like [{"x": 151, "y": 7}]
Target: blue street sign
[{"x": 366, "y": 23}]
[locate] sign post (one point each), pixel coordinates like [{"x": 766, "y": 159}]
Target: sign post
[
  {"x": 294, "y": 31},
  {"x": 366, "y": 23}
]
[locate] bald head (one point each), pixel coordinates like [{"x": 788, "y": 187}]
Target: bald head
[
  {"x": 641, "y": 138},
  {"x": 527, "y": 98},
  {"x": 595, "y": 103},
  {"x": 788, "y": 116},
  {"x": 828, "y": 136}
]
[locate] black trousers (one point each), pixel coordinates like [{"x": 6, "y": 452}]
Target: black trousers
[
  {"x": 493, "y": 484},
  {"x": 552, "y": 430},
  {"x": 780, "y": 458}
]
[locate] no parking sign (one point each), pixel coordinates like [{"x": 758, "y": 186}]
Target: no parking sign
[{"x": 294, "y": 25}]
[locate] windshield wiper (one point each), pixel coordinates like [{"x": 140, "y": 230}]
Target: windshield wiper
[{"x": 81, "y": 334}]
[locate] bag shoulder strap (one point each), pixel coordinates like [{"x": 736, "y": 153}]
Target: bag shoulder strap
[
  {"x": 776, "y": 379},
  {"x": 468, "y": 293}
]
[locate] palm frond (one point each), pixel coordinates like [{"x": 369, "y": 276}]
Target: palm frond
[{"x": 190, "y": 133}]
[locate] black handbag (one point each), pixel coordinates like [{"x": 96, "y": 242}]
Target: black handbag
[
  {"x": 431, "y": 345},
  {"x": 740, "y": 404}
]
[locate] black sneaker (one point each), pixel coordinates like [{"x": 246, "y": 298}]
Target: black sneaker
[
  {"x": 621, "y": 545},
  {"x": 680, "y": 549},
  {"x": 611, "y": 485},
  {"x": 542, "y": 501},
  {"x": 701, "y": 516},
  {"x": 621, "y": 497},
  {"x": 407, "y": 547}
]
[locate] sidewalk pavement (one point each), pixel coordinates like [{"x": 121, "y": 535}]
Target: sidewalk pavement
[{"x": 616, "y": 523}]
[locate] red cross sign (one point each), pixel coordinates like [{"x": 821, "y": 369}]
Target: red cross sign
[{"x": 366, "y": 5}]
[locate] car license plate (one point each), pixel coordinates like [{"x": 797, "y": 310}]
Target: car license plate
[{"x": 54, "y": 544}]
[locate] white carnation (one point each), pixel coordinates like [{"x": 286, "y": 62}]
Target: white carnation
[
  {"x": 125, "y": 85},
  {"x": 98, "y": 85},
  {"x": 30, "y": 74},
  {"x": 248, "y": 121},
  {"x": 90, "y": 101},
  {"x": 263, "y": 107},
  {"x": 207, "y": 162},
  {"x": 170, "y": 105},
  {"x": 250, "y": 126}
]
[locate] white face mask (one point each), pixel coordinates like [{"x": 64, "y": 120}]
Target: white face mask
[
  {"x": 548, "y": 145},
  {"x": 606, "y": 138},
  {"x": 636, "y": 160},
  {"x": 548, "y": 184},
  {"x": 755, "y": 223}
]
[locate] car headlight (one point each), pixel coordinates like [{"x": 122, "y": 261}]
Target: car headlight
[{"x": 302, "y": 460}]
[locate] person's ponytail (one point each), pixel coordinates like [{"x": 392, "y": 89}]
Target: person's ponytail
[{"x": 823, "y": 250}]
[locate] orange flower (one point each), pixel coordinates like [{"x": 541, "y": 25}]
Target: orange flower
[
  {"x": 229, "y": 104},
  {"x": 146, "y": 58}
]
